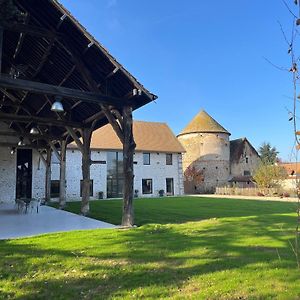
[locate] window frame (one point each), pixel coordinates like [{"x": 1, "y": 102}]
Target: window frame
[
  {"x": 169, "y": 163},
  {"x": 148, "y": 155},
  {"x": 151, "y": 190},
  {"x": 91, "y": 187},
  {"x": 52, "y": 194},
  {"x": 170, "y": 193}
]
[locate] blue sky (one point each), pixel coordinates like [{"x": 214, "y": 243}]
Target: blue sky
[{"x": 198, "y": 54}]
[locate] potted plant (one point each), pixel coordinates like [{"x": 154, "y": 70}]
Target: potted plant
[
  {"x": 100, "y": 195},
  {"x": 161, "y": 193},
  {"x": 136, "y": 193}
]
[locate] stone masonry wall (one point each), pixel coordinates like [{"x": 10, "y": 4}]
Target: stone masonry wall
[{"x": 209, "y": 154}]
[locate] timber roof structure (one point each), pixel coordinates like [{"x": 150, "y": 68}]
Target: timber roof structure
[
  {"x": 46, "y": 54},
  {"x": 203, "y": 123},
  {"x": 149, "y": 137}
]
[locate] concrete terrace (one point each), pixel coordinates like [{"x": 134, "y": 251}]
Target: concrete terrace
[{"x": 14, "y": 224}]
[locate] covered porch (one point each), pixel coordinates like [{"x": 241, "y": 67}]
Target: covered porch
[{"x": 57, "y": 85}]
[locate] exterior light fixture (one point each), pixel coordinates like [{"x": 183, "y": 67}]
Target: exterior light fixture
[
  {"x": 13, "y": 150},
  {"x": 34, "y": 131},
  {"x": 21, "y": 141},
  {"x": 57, "y": 106},
  {"x": 136, "y": 92}
]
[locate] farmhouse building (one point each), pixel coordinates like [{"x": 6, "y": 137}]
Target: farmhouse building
[
  {"x": 211, "y": 159},
  {"x": 157, "y": 163}
]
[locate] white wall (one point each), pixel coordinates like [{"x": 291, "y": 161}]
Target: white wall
[
  {"x": 38, "y": 176},
  {"x": 158, "y": 171},
  {"x": 8, "y": 175},
  {"x": 74, "y": 173}
]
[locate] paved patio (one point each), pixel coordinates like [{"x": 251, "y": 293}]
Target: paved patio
[{"x": 14, "y": 224}]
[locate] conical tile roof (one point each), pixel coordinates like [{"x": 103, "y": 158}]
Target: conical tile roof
[{"x": 203, "y": 122}]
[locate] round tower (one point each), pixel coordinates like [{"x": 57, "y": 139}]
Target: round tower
[{"x": 206, "y": 160}]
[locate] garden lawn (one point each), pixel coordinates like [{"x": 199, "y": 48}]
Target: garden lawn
[{"x": 185, "y": 248}]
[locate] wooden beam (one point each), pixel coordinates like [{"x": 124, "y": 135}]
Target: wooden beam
[
  {"x": 98, "y": 162},
  {"x": 128, "y": 152},
  {"x": 10, "y": 145},
  {"x": 86, "y": 164},
  {"x": 48, "y": 89},
  {"x": 75, "y": 138},
  {"x": 29, "y": 111},
  {"x": 41, "y": 157},
  {"x": 28, "y": 135},
  {"x": 39, "y": 120},
  {"x": 92, "y": 84},
  {"x": 55, "y": 151},
  {"x": 1, "y": 47},
  {"x": 32, "y": 30},
  {"x": 62, "y": 175}
]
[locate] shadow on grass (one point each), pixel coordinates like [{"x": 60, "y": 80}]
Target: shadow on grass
[
  {"x": 182, "y": 209},
  {"x": 155, "y": 261}
]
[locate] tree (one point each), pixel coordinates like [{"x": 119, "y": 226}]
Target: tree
[
  {"x": 268, "y": 175},
  {"x": 268, "y": 154},
  {"x": 192, "y": 174}
]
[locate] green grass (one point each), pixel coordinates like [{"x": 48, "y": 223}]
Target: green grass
[{"x": 185, "y": 248}]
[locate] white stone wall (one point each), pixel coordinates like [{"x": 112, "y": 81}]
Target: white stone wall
[
  {"x": 8, "y": 175},
  {"x": 8, "y": 165},
  {"x": 74, "y": 173},
  {"x": 38, "y": 176},
  {"x": 158, "y": 171}
]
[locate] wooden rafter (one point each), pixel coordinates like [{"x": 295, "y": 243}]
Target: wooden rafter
[
  {"x": 48, "y": 89},
  {"x": 39, "y": 120},
  {"x": 32, "y": 30}
]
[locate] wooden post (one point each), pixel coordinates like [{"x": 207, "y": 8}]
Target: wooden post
[
  {"x": 48, "y": 177},
  {"x": 128, "y": 151},
  {"x": 1, "y": 46},
  {"x": 62, "y": 175},
  {"x": 86, "y": 163}
]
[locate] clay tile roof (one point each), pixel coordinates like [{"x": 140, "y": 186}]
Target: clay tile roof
[
  {"x": 149, "y": 136},
  {"x": 203, "y": 122},
  {"x": 291, "y": 168}
]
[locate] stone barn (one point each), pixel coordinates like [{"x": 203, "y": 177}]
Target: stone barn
[{"x": 244, "y": 160}]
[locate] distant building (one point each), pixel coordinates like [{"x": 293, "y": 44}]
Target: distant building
[
  {"x": 211, "y": 159},
  {"x": 293, "y": 175},
  {"x": 244, "y": 160}
]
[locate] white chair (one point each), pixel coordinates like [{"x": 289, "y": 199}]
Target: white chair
[{"x": 34, "y": 205}]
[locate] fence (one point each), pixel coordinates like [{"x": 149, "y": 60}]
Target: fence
[{"x": 254, "y": 191}]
